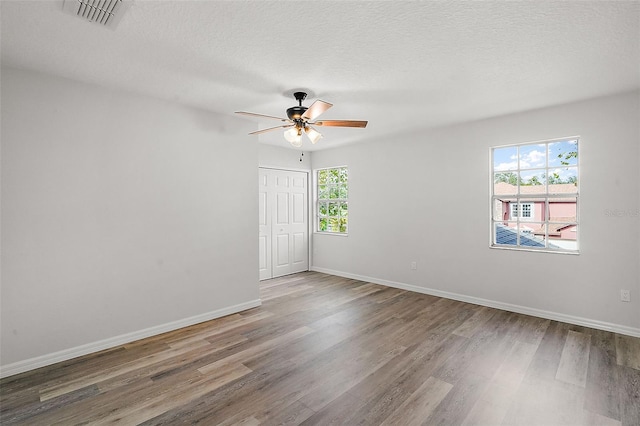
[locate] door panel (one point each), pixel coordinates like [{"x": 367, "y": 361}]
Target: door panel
[
  {"x": 299, "y": 248},
  {"x": 262, "y": 254},
  {"x": 298, "y": 208},
  {"x": 282, "y": 253},
  {"x": 286, "y": 243},
  {"x": 282, "y": 208},
  {"x": 299, "y": 182},
  {"x": 264, "y": 227},
  {"x": 262, "y": 208}
]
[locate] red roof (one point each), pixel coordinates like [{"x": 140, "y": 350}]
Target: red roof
[{"x": 503, "y": 188}]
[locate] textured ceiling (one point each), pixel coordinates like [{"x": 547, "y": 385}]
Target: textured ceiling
[{"x": 399, "y": 65}]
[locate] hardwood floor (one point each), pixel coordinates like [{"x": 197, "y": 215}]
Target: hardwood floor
[{"x": 328, "y": 350}]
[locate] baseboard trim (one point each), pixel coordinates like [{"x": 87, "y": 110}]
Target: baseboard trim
[
  {"x": 64, "y": 355},
  {"x": 585, "y": 322}
]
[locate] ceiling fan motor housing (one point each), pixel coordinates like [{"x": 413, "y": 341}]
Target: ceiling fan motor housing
[{"x": 294, "y": 113}]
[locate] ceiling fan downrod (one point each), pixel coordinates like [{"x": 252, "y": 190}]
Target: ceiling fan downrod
[{"x": 295, "y": 113}]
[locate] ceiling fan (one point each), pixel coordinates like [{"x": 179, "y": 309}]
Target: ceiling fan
[{"x": 301, "y": 119}]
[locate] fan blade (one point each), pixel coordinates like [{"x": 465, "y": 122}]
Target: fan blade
[
  {"x": 316, "y": 108},
  {"x": 257, "y": 132},
  {"x": 341, "y": 123},
  {"x": 253, "y": 114}
]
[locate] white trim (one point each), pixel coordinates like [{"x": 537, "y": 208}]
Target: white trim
[
  {"x": 66, "y": 354},
  {"x": 568, "y": 138},
  {"x": 286, "y": 169},
  {"x": 585, "y": 322},
  {"x": 330, "y": 167},
  {"x": 337, "y": 234}
]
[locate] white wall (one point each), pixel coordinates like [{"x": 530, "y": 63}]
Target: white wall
[
  {"x": 424, "y": 197},
  {"x": 122, "y": 215},
  {"x": 283, "y": 158}
]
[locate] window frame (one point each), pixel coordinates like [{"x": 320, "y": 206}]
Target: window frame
[
  {"x": 546, "y": 198},
  {"x": 317, "y": 202},
  {"x": 519, "y": 216}
]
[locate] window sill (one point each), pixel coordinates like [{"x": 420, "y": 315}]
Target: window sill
[{"x": 531, "y": 249}]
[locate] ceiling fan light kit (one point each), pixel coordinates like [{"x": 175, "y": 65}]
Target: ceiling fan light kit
[
  {"x": 294, "y": 137},
  {"x": 314, "y": 135},
  {"x": 300, "y": 119}
]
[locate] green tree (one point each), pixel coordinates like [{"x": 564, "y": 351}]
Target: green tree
[
  {"x": 507, "y": 177},
  {"x": 534, "y": 180},
  {"x": 567, "y": 156},
  {"x": 555, "y": 179}
]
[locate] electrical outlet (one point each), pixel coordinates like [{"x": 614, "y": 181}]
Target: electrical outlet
[
  {"x": 625, "y": 295},
  {"x": 414, "y": 266}
]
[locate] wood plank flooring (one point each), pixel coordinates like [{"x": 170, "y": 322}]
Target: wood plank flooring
[{"x": 327, "y": 350}]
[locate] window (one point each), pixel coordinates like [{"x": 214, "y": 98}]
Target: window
[
  {"x": 332, "y": 206},
  {"x": 534, "y": 196},
  {"x": 526, "y": 211}
]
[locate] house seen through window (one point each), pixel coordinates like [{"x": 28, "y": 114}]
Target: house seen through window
[
  {"x": 332, "y": 208},
  {"x": 534, "y": 196}
]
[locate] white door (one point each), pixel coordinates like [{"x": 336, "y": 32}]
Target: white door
[{"x": 284, "y": 227}]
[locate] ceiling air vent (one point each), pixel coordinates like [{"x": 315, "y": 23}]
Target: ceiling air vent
[{"x": 104, "y": 12}]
